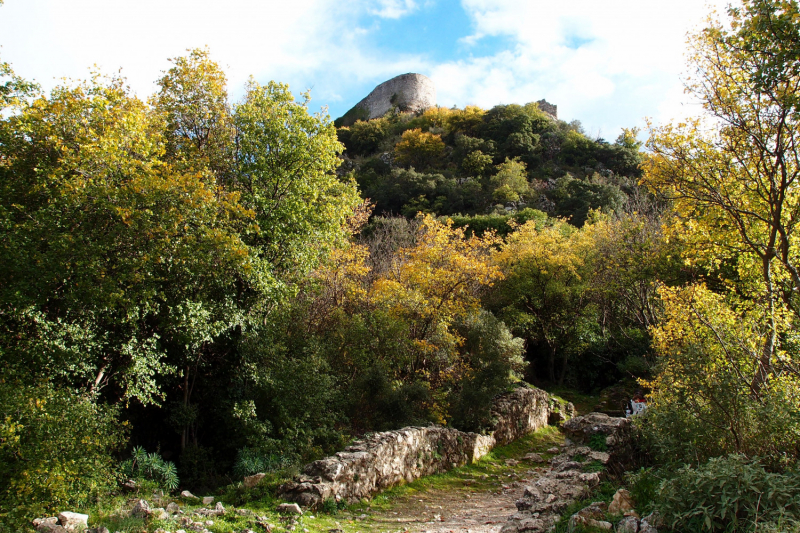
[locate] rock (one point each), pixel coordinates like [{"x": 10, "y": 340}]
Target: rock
[
  {"x": 173, "y": 508},
  {"x": 289, "y": 508},
  {"x": 159, "y": 513},
  {"x": 553, "y": 450},
  {"x": 187, "y": 494},
  {"x": 103, "y": 529},
  {"x": 629, "y": 524},
  {"x": 141, "y": 509},
  {"x": 621, "y": 503},
  {"x": 48, "y": 525},
  {"x": 208, "y": 500},
  {"x": 252, "y": 481},
  {"x": 511, "y": 462},
  {"x": 73, "y": 521},
  {"x": 654, "y": 519},
  {"x": 219, "y": 508},
  {"x": 407, "y": 92},
  {"x": 534, "y": 457},
  {"x": 129, "y": 486},
  {"x": 583, "y": 428},
  {"x": 645, "y": 527}
]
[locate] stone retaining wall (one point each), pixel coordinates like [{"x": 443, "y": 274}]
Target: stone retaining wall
[{"x": 383, "y": 460}]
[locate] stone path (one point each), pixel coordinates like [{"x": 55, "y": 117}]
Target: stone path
[{"x": 470, "y": 501}]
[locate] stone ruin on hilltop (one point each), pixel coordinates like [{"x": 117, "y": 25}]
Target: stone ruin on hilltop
[{"x": 408, "y": 93}]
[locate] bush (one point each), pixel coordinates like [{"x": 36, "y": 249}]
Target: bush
[
  {"x": 55, "y": 451},
  {"x": 730, "y": 493},
  {"x": 151, "y": 466}
]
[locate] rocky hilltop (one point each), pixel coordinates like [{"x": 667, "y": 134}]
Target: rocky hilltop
[{"x": 407, "y": 92}]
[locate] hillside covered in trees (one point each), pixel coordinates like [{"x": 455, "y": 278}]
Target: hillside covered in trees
[{"x": 196, "y": 289}]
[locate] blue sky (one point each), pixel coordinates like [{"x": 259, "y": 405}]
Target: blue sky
[{"x": 607, "y": 63}]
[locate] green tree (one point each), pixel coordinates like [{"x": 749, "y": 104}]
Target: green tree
[{"x": 285, "y": 168}]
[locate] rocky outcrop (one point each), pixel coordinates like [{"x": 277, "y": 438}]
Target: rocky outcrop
[
  {"x": 547, "y": 107},
  {"x": 407, "y": 92},
  {"x": 383, "y": 460}
]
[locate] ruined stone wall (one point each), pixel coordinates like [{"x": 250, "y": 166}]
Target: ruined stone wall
[
  {"x": 383, "y": 460},
  {"x": 407, "y": 92},
  {"x": 547, "y": 107}
]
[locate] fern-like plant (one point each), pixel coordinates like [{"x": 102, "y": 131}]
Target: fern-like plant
[{"x": 152, "y": 467}]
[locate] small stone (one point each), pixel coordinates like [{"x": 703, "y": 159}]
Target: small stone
[
  {"x": 535, "y": 457},
  {"x": 141, "y": 509},
  {"x": 173, "y": 508},
  {"x": 252, "y": 481},
  {"x": 208, "y": 500},
  {"x": 73, "y": 521},
  {"x": 159, "y": 513},
  {"x": 39, "y": 521},
  {"x": 219, "y": 509},
  {"x": 187, "y": 494},
  {"x": 621, "y": 503},
  {"x": 553, "y": 450},
  {"x": 129, "y": 485},
  {"x": 289, "y": 508},
  {"x": 103, "y": 529},
  {"x": 209, "y": 523},
  {"x": 511, "y": 462}
]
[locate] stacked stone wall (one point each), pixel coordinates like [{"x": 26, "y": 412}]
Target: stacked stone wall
[{"x": 383, "y": 460}]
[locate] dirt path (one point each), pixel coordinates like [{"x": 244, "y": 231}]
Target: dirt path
[{"x": 476, "y": 499}]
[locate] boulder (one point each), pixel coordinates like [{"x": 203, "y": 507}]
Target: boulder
[
  {"x": 141, "y": 509},
  {"x": 289, "y": 508},
  {"x": 629, "y": 524},
  {"x": 621, "y": 503},
  {"x": 187, "y": 494},
  {"x": 73, "y": 521},
  {"x": 252, "y": 481},
  {"x": 48, "y": 525}
]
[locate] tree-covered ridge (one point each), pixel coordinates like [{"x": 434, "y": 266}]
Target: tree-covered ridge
[{"x": 473, "y": 161}]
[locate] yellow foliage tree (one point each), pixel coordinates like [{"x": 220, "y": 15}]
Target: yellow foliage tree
[{"x": 418, "y": 148}]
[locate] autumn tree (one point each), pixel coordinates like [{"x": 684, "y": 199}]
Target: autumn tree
[
  {"x": 728, "y": 355},
  {"x": 732, "y": 175},
  {"x": 419, "y": 149},
  {"x": 194, "y": 102}
]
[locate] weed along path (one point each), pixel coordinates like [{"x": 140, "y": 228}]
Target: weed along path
[{"x": 476, "y": 498}]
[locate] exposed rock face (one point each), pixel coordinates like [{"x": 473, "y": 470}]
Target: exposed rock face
[
  {"x": 386, "y": 459},
  {"x": 407, "y": 92},
  {"x": 547, "y": 107}
]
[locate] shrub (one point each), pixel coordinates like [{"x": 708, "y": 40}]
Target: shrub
[
  {"x": 150, "y": 466},
  {"x": 55, "y": 451},
  {"x": 729, "y": 493}
]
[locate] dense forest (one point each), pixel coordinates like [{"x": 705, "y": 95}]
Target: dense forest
[{"x": 196, "y": 289}]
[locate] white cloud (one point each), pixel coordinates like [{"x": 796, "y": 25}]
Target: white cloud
[
  {"x": 607, "y": 63},
  {"x": 393, "y": 9}
]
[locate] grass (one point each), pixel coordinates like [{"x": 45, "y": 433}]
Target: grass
[{"x": 584, "y": 403}]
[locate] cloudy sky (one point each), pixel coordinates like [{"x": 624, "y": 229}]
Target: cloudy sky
[{"x": 607, "y": 63}]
